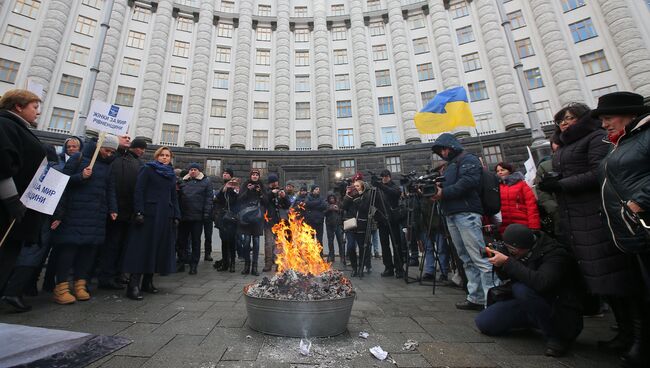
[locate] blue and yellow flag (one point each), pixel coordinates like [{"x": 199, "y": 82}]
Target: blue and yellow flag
[{"x": 448, "y": 109}]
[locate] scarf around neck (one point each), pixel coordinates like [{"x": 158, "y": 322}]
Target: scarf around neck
[{"x": 166, "y": 171}]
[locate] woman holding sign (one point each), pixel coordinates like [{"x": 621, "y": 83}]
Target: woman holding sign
[
  {"x": 21, "y": 154},
  {"x": 150, "y": 248}
]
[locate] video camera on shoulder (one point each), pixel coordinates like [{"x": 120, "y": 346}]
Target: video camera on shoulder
[{"x": 427, "y": 183}]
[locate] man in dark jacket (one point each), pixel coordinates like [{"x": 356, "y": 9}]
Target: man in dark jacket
[
  {"x": 277, "y": 201},
  {"x": 546, "y": 295},
  {"x": 388, "y": 225},
  {"x": 124, "y": 169},
  {"x": 461, "y": 206},
  {"x": 195, "y": 200},
  {"x": 315, "y": 208}
]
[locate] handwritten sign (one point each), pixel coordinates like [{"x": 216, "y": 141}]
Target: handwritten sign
[
  {"x": 45, "y": 189},
  {"x": 108, "y": 118}
]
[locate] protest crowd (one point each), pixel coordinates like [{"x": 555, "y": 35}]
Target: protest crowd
[{"x": 543, "y": 254}]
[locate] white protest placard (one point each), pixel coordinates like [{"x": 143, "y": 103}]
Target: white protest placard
[
  {"x": 531, "y": 170},
  {"x": 108, "y": 118},
  {"x": 45, "y": 189}
]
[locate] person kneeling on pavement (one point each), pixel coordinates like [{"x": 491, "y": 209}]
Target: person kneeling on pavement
[{"x": 543, "y": 291}]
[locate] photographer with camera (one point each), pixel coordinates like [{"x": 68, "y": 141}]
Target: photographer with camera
[
  {"x": 388, "y": 224},
  {"x": 461, "y": 205},
  {"x": 277, "y": 201},
  {"x": 543, "y": 292}
]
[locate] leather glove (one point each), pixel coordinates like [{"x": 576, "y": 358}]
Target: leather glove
[
  {"x": 139, "y": 219},
  {"x": 15, "y": 208},
  {"x": 550, "y": 184}
]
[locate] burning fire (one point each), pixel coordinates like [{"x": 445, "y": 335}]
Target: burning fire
[{"x": 297, "y": 247}]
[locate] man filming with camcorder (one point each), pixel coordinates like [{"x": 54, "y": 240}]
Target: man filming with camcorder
[{"x": 543, "y": 290}]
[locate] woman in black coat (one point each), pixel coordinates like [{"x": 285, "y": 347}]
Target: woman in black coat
[
  {"x": 577, "y": 190},
  {"x": 150, "y": 248},
  {"x": 21, "y": 154},
  {"x": 357, "y": 201},
  {"x": 625, "y": 189},
  {"x": 251, "y": 194}
]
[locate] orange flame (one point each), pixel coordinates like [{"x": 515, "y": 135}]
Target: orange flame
[
  {"x": 297, "y": 247},
  {"x": 266, "y": 216}
]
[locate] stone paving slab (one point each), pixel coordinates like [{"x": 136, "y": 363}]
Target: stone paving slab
[{"x": 200, "y": 321}]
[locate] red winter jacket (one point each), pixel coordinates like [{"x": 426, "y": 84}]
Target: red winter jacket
[{"x": 518, "y": 203}]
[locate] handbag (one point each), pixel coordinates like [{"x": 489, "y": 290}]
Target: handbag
[
  {"x": 350, "y": 224},
  {"x": 499, "y": 293},
  {"x": 251, "y": 214}
]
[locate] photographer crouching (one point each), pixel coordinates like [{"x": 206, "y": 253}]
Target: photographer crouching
[{"x": 543, "y": 291}]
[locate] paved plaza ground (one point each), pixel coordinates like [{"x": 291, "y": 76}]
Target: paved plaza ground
[{"x": 200, "y": 321}]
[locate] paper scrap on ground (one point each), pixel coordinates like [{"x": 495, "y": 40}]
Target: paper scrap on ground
[
  {"x": 410, "y": 345},
  {"x": 379, "y": 353},
  {"x": 305, "y": 346},
  {"x": 363, "y": 335}
]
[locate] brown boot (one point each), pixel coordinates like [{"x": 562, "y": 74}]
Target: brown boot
[
  {"x": 62, "y": 294},
  {"x": 80, "y": 290}
]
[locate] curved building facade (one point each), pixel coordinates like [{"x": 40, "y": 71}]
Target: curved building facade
[{"x": 307, "y": 75}]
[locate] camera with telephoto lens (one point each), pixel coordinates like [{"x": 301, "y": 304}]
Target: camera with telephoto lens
[
  {"x": 427, "y": 184},
  {"x": 498, "y": 246},
  {"x": 342, "y": 185}
]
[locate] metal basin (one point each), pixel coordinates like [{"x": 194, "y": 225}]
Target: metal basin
[{"x": 311, "y": 318}]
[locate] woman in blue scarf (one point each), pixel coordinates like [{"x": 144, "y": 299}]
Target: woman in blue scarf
[{"x": 150, "y": 248}]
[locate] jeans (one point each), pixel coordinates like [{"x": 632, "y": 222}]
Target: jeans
[
  {"x": 269, "y": 247},
  {"x": 374, "y": 235},
  {"x": 466, "y": 234},
  {"x": 208, "y": 228},
  {"x": 247, "y": 248},
  {"x": 443, "y": 254},
  {"x": 334, "y": 231},
  {"x": 186, "y": 230},
  {"x": 526, "y": 309}
]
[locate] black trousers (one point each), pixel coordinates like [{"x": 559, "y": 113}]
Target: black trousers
[
  {"x": 208, "y": 226},
  {"x": 77, "y": 257},
  {"x": 187, "y": 230},
  {"x": 364, "y": 251},
  {"x": 8, "y": 254},
  {"x": 389, "y": 234},
  {"x": 228, "y": 235},
  {"x": 111, "y": 253}
]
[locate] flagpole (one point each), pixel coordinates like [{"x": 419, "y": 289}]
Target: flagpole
[{"x": 480, "y": 143}]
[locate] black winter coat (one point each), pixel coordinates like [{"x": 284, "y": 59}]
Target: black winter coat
[
  {"x": 195, "y": 198},
  {"x": 21, "y": 153},
  {"x": 125, "y": 169},
  {"x": 84, "y": 209},
  {"x": 390, "y": 193},
  {"x": 333, "y": 214},
  {"x": 577, "y": 160},
  {"x": 625, "y": 175},
  {"x": 224, "y": 201},
  {"x": 358, "y": 205},
  {"x": 150, "y": 247},
  {"x": 249, "y": 197},
  {"x": 552, "y": 272},
  {"x": 275, "y": 204},
  {"x": 315, "y": 208}
]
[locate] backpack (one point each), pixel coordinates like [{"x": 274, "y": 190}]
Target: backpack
[{"x": 489, "y": 190}]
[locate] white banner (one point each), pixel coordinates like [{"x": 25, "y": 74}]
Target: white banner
[
  {"x": 108, "y": 118},
  {"x": 45, "y": 189},
  {"x": 531, "y": 170}
]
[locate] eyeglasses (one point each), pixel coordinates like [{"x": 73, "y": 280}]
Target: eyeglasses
[{"x": 566, "y": 119}]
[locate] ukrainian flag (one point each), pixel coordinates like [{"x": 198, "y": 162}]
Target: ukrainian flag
[{"x": 448, "y": 109}]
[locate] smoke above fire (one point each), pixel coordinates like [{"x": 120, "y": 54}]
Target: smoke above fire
[{"x": 297, "y": 248}]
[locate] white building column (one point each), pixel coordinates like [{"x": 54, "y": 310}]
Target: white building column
[
  {"x": 154, "y": 72},
  {"x": 630, "y": 45},
  {"x": 48, "y": 46},
  {"x": 108, "y": 61},
  {"x": 406, "y": 91},
  {"x": 510, "y": 107},
  {"x": 444, "y": 44},
  {"x": 242, "y": 61},
  {"x": 362, "y": 81},
  {"x": 324, "y": 125},
  {"x": 200, "y": 75},
  {"x": 562, "y": 69},
  {"x": 281, "y": 132}
]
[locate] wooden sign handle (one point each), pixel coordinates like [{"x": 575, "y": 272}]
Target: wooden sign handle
[
  {"x": 100, "y": 141},
  {"x": 7, "y": 233}
]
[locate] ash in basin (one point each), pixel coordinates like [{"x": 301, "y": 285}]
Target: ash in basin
[{"x": 292, "y": 285}]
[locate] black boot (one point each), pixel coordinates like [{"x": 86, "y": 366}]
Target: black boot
[
  {"x": 147, "y": 284},
  {"x": 232, "y": 266},
  {"x": 247, "y": 268},
  {"x": 13, "y": 292},
  {"x": 193, "y": 270},
  {"x": 17, "y": 303},
  {"x": 623, "y": 339},
  {"x": 133, "y": 288},
  {"x": 254, "y": 270},
  {"x": 639, "y": 353}
]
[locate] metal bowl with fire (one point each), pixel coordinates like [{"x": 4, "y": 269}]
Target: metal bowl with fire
[{"x": 306, "y": 297}]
